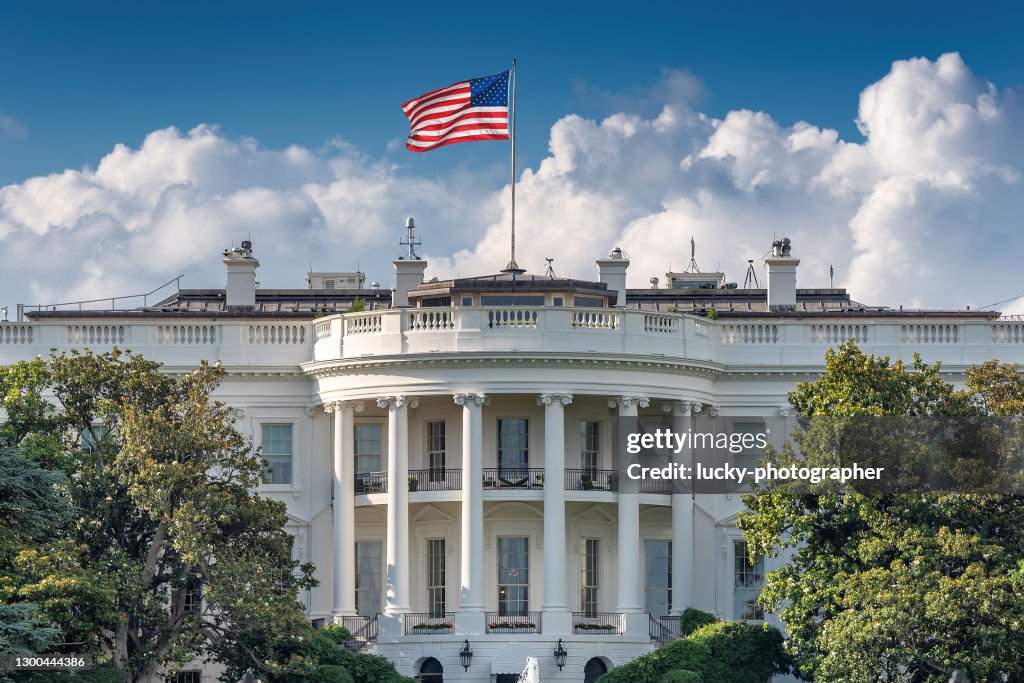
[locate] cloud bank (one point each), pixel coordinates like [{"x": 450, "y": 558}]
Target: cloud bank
[{"x": 925, "y": 211}]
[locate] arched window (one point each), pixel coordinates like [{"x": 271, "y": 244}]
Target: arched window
[
  {"x": 431, "y": 671},
  {"x": 594, "y": 669}
]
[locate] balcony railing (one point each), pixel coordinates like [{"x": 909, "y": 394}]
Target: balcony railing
[
  {"x": 426, "y": 623},
  {"x": 513, "y": 478},
  {"x": 435, "y": 479},
  {"x": 372, "y": 482},
  {"x": 363, "y": 631},
  {"x": 596, "y": 623},
  {"x": 589, "y": 479},
  {"x": 660, "y": 633},
  {"x": 527, "y": 622},
  {"x": 654, "y": 486}
]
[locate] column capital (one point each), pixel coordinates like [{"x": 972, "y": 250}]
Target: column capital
[
  {"x": 392, "y": 402},
  {"x": 549, "y": 399},
  {"x": 626, "y": 401},
  {"x": 785, "y": 411},
  {"x": 338, "y": 406},
  {"x": 471, "y": 399},
  {"x": 684, "y": 407}
]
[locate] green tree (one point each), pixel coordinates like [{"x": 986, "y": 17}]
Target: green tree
[
  {"x": 897, "y": 584},
  {"x": 196, "y": 562}
]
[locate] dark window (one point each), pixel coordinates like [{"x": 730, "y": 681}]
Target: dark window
[
  {"x": 431, "y": 671},
  {"x": 505, "y": 300},
  {"x": 558, "y": 301},
  {"x": 748, "y": 582},
  {"x": 594, "y": 669},
  {"x": 189, "y": 677},
  {"x": 369, "y": 564},
  {"x": 589, "y": 302},
  {"x": 367, "y": 448},
  {"x": 589, "y": 573},
  {"x": 658, "y": 578},
  {"x": 436, "y": 450},
  {"x": 436, "y": 302},
  {"x": 436, "y": 577},
  {"x": 467, "y": 301},
  {"x": 513, "y": 449},
  {"x": 590, "y": 446}
]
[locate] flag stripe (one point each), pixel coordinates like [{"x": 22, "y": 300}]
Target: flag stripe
[{"x": 476, "y": 109}]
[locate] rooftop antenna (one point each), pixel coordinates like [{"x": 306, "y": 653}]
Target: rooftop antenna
[
  {"x": 831, "y": 275},
  {"x": 751, "y": 277},
  {"x": 410, "y": 240},
  {"x": 692, "y": 267},
  {"x": 550, "y": 272}
]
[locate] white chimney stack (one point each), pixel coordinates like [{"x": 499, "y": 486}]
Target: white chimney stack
[
  {"x": 241, "y": 286},
  {"x": 409, "y": 269},
  {"x": 781, "y": 267},
  {"x": 612, "y": 272}
]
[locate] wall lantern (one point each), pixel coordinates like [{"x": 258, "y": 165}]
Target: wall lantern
[
  {"x": 466, "y": 655},
  {"x": 560, "y": 655}
]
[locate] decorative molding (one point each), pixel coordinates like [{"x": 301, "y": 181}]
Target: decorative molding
[
  {"x": 548, "y": 399},
  {"x": 471, "y": 399},
  {"x": 785, "y": 411},
  {"x": 685, "y": 407},
  {"x": 400, "y": 401},
  {"x": 333, "y": 406}
]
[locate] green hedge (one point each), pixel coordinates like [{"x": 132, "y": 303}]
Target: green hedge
[
  {"x": 692, "y": 619},
  {"x": 721, "y": 652}
]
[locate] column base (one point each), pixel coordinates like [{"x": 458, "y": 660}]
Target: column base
[
  {"x": 391, "y": 625},
  {"x": 637, "y": 624},
  {"x": 470, "y": 623},
  {"x": 556, "y": 622}
]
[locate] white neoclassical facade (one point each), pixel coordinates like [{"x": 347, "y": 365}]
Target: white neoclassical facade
[{"x": 447, "y": 455}]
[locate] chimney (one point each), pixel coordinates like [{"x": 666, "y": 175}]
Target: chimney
[
  {"x": 781, "y": 267},
  {"x": 612, "y": 272},
  {"x": 241, "y": 266}
]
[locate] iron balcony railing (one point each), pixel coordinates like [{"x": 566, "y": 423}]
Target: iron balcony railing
[
  {"x": 363, "y": 631},
  {"x": 596, "y": 623},
  {"x": 371, "y": 482},
  {"x": 524, "y": 622},
  {"x": 660, "y": 633},
  {"x": 435, "y": 479},
  {"x": 427, "y": 623},
  {"x": 513, "y": 478},
  {"x": 654, "y": 486},
  {"x": 591, "y": 479},
  {"x": 673, "y": 622}
]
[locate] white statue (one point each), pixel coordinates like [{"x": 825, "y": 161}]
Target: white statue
[{"x": 531, "y": 674}]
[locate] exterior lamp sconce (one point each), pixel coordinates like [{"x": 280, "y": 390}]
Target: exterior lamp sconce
[
  {"x": 560, "y": 654},
  {"x": 466, "y": 655}
]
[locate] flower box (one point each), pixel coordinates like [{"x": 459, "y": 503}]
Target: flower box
[
  {"x": 444, "y": 626},
  {"x": 513, "y": 624},
  {"x": 595, "y": 627}
]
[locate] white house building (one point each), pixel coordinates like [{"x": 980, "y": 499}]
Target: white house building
[{"x": 446, "y": 455}]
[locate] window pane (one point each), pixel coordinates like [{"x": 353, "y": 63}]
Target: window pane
[
  {"x": 590, "y": 446},
  {"x": 513, "y": 575},
  {"x": 513, "y": 445},
  {"x": 589, "y": 576},
  {"x": 658, "y": 577},
  {"x": 367, "y": 448},
  {"x": 747, "y": 583},
  {"x": 436, "y": 577},
  {"x": 277, "y": 453},
  {"x": 436, "y": 450},
  {"x": 369, "y": 568}
]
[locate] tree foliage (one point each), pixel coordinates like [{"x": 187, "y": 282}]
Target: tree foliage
[
  {"x": 904, "y": 584},
  {"x": 190, "y": 561}
]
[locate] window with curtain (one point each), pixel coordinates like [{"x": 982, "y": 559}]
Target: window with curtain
[
  {"x": 277, "y": 453},
  {"x": 513, "y": 575},
  {"x": 436, "y": 577}
]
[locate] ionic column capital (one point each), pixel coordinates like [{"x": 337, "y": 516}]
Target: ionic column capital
[
  {"x": 683, "y": 408},
  {"x": 392, "y": 402},
  {"x": 339, "y": 406},
  {"x": 549, "y": 399},
  {"x": 629, "y": 401},
  {"x": 470, "y": 400}
]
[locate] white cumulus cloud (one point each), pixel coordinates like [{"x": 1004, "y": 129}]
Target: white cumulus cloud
[{"x": 924, "y": 211}]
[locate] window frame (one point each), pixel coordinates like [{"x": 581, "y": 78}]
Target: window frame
[
  {"x": 436, "y": 458},
  {"x": 268, "y": 469},
  {"x": 437, "y": 578},
  {"x": 590, "y": 576},
  {"x": 522, "y": 588}
]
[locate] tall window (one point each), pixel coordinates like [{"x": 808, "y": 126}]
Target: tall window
[
  {"x": 513, "y": 575},
  {"x": 277, "y": 453},
  {"x": 193, "y": 597},
  {"x": 189, "y": 677},
  {"x": 658, "y": 577},
  {"x": 590, "y": 446},
  {"x": 513, "y": 448},
  {"x": 367, "y": 448},
  {"x": 436, "y": 450},
  {"x": 369, "y": 565},
  {"x": 749, "y": 580},
  {"x": 589, "y": 576},
  {"x": 435, "y": 577}
]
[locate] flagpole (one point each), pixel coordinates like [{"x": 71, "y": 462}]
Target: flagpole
[{"x": 512, "y": 265}]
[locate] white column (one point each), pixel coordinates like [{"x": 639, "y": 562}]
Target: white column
[
  {"x": 557, "y": 619},
  {"x": 682, "y": 519},
  {"x": 398, "y": 504},
  {"x": 629, "y": 550},
  {"x": 344, "y": 577},
  {"x": 470, "y": 618}
]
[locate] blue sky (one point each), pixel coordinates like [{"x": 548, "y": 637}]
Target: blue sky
[
  {"x": 128, "y": 129},
  {"x": 81, "y": 77}
]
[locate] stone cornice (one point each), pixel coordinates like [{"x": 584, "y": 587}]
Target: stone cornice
[{"x": 697, "y": 368}]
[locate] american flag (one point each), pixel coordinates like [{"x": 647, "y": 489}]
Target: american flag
[{"x": 476, "y": 109}]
